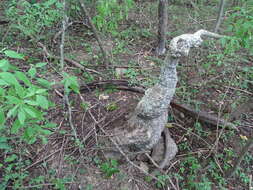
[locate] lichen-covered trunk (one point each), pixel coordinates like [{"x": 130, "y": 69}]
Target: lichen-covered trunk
[
  {"x": 162, "y": 27},
  {"x": 151, "y": 113},
  {"x": 147, "y": 122}
]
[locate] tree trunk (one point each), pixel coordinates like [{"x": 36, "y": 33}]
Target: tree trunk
[
  {"x": 162, "y": 27},
  {"x": 220, "y": 15},
  {"x": 143, "y": 130}
]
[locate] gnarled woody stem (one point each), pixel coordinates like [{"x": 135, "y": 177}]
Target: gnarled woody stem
[{"x": 144, "y": 128}]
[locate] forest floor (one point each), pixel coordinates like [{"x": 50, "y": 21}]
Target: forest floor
[{"x": 209, "y": 82}]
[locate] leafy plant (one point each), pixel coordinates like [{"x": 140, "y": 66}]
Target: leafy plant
[
  {"x": 32, "y": 18},
  {"x": 112, "y": 106},
  {"x": 110, "y": 167},
  {"x": 70, "y": 83},
  {"x": 199, "y": 129},
  {"x": 110, "y": 13},
  {"x": 240, "y": 23},
  {"x": 22, "y": 103},
  {"x": 85, "y": 105},
  {"x": 12, "y": 171},
  {"x": 161, "y": 180}
]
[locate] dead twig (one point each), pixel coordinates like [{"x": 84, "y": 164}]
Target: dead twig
[
  {"x": 241, "y": 90},
  {"x": 41, "y": 160},
  {"x": 70, "y": 61},
  {"x": 153, "y": 161},
  {"x": 61, "y": 156}
]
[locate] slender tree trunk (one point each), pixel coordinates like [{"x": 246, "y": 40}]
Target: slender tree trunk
[
  {"x": 94, "y": 30},
  {"x": 162, "y": 27},
  {"x": 220, "y": 15}
]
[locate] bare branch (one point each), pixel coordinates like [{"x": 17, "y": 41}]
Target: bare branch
[
  {"x": 64, "y": 23},
  {"x": 181, "y": 45}
]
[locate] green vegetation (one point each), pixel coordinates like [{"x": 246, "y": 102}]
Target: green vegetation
[
  {"x": 47, "y": 141},
  {"x": 33, "y": 18},
  {"x": 109, "y": 168},
  {"x": 110, "y": 13}
]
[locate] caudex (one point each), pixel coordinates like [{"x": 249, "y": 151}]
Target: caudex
[{"x": 146, "y": 124}]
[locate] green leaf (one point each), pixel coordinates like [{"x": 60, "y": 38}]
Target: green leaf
[
  {"x": 50, "y": 125},
  {"x": 15, "y": 127},
  {"x": 42, "y": 101},
  {"x": 13, "y": 54},
  {"x": 31, "y": 102},
  {"x": 39, "y": 114},
  {"x": 4, "y": 146},
  {"x": 2, "y": 119},
  {"x": 4, "y": 64},
  {"x": 9, "y": 78},
  {"x": 13, "y": 100},
  {"x": 31, "y": 92},
  {"x": 21, "y": 116},
  {"x": 39, "y": 65},
  {"x": 11, "y": 158},
  {"x": 49, "y": 3},
  {"x": 12, "y": 111},
  {"x": 30, "y": 135},
  {"x": 32, "y": 72},
  {"x": 3, "y": 83},
  {"x": 21, "y": 76},
  {"x": 41, "y": 91},
  {"x": 70, "y": 82},
  {"x": 44, "y": 140},
  {"x": 20, "y": 91},
  {"x": 114, "y": 163},
  {"x": 3, "y": 139},
  {"x": 2, "y": 91},
  {"x": 44, "y": 83},
  {"x": 45, "y": 132},
  {"x": 30, "y": 111}
]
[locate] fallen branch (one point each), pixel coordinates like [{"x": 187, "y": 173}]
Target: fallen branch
[
  {"x": 203, "y": 116},
  {"x": 200, "y": 115},
  {"x": 70, "y": 61}
]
